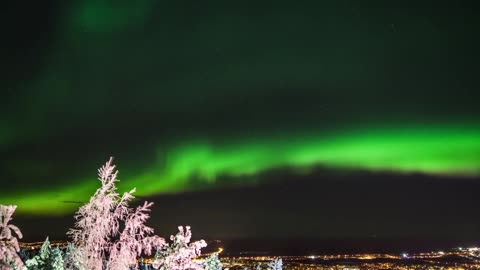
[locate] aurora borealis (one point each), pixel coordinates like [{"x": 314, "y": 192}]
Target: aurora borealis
[
  {"x": 194, "y": 97},
  {"x": 452, "y": 151}
]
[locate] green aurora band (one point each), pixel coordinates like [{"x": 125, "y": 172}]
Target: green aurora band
[{"x": 430, "y": 150}]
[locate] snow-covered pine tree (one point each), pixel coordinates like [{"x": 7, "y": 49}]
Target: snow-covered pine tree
[
  {"x": 276, "y": 264},
  {"x": 9, "y": 235},
  {"x": 179, "y": 255},
  {"x": 99, "y": 222},
  {"x": 48, "y": 258},
  {"x": 71, "y": 258},
  {"x": 40, "y": 261},
  {"x": 212, "y": 262},
  {"x": 56, "y": 259}
]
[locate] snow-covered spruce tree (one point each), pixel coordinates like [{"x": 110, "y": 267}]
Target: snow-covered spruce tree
[
  {"x": 179, "y": 255},
  {"x": 212, "y": 262},
  {"x": 9, "y": 248},
  {"x": 71, "y": 258},
  {"x": 56, "y": 259},
  {"x": 276, "y": 264},
  {"x": 40, "y": 260},
  {"x": 47, "y": 259},
  {"x": 99, "y": 243}
]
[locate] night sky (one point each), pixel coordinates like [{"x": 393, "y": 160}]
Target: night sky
[{"x": 245, "y": 119}]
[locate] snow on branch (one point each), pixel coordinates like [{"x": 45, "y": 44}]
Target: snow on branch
[
  {"x": 97, "y": 234},
  {"x": 180, "y": 253},
  {"x": 9, "y": 235}
]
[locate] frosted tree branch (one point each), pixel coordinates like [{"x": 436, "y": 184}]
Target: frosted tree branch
[
  {"x": 97, "y": 236},
  {"x": 9, "y": 235}
]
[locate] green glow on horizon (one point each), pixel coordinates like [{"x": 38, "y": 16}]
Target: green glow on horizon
[{"x": 443, "y": 151}]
